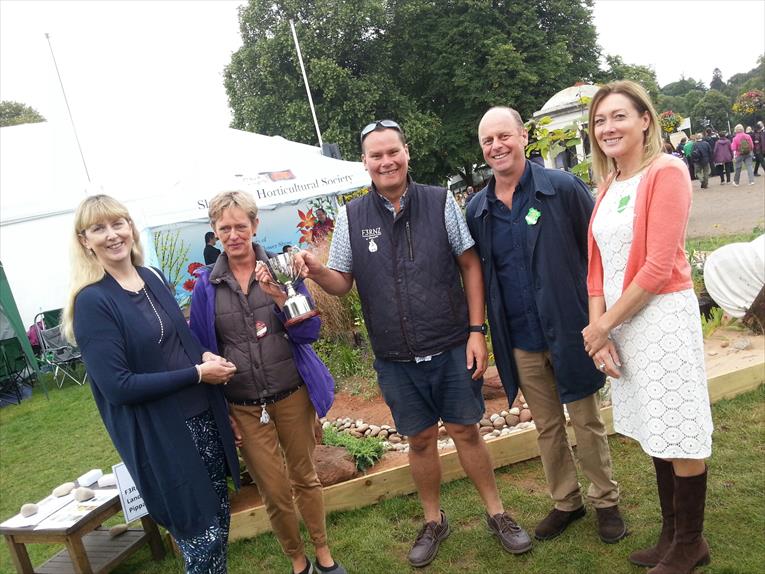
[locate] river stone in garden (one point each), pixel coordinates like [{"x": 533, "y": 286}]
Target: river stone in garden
[
  {"x": 499, "y": 422},
  {"x": 333, "y": 464},
  {"x": 484, "y": 422},
  {"x": 512, "y": 420},
  {"x": 525, "y": 415}
]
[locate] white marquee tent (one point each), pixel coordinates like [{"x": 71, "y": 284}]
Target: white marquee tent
[{"x": 42, "y": 180}]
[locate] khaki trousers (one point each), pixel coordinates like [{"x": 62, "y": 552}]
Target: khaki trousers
[
  {"x": 537, "y": 381},
  {"x": 278, "y": 455}
]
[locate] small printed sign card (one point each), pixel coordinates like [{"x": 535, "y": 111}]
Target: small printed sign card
[{"x": 133, "y": 506}]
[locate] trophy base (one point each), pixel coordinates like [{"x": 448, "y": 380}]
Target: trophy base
[{"x": 300, "y": 318}]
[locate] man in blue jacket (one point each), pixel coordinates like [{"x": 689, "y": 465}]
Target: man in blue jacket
[{"x": 530, "y": 227}]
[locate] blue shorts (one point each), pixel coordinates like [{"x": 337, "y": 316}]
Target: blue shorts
[{"x": 418, "y": 394}]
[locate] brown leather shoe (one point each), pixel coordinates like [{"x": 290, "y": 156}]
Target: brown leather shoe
[
  {"x": 428, "y": 540},
  {"x": 513, "y": 538},
  {"x": 611, "y": 527},
  {"x": 556, "y": 522}
]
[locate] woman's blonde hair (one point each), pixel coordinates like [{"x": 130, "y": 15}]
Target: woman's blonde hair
[
  {"x": 739, "y": 128},
  {"x": 85, "y": 269},
  {"x": 232, "y": 199},
  {"x": 602, "y": 165}
]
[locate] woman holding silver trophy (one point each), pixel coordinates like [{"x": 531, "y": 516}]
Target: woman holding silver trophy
[{"x": 240, "y": 312}]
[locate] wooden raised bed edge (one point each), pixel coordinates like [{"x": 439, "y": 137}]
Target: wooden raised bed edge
[{"x": 519, "y": 446}]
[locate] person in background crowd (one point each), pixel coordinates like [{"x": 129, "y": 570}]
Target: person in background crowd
[
  {"x": 211, "y": 252},
  {"x": 711, "y": 137},
  {"x": 681, "y": 146},
  {"x": 537, "y": 309},
  {"x": 287, "y": 249},
  {"x": 145, "y": 369},
  {"x": 701, "y": 155},
  {"x": 639, "y": 282},
  {"x": 419, "y": 280},
  {"x": 722, "y": 156},
  {"x": 743, "y": 148},
  {"x": 323, "y": 227},
  {"x": 687, "y": 151},
  {"x": 280, "y": 383},
  {"x": 758, "y": 145}
]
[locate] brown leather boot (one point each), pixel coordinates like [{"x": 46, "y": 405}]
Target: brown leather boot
[
  {"x": 689, "y": 549},
  {"x": 665, "y": 481}
]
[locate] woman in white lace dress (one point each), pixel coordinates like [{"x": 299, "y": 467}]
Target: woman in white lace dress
[{"x": 645, "y": 329}]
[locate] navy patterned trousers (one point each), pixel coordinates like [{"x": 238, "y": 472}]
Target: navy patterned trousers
[{"x": 205, "y": 553}]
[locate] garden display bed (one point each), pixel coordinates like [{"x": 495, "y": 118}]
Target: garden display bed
[{"x": 735, "y": 364}]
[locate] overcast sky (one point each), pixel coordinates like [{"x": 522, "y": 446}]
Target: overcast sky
[{"x": 127, "y": 64}]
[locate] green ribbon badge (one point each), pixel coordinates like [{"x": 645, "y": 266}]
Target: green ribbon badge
[
  {"x": 624, "y": 201},
  {"x": 533, "y": 216}
]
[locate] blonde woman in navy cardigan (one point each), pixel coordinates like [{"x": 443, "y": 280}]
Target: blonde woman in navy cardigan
[{"x": 158, "y": 393}]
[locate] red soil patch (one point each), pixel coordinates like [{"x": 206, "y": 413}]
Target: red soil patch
[{"x": 375, "y": 411}]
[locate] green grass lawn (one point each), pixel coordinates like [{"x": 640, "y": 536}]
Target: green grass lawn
[{"x": 44, "y": 443}]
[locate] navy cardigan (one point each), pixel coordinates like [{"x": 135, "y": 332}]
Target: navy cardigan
[{"x": 136, "y": 396}]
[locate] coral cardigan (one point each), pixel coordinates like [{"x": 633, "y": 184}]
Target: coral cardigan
[{"x": 657, "y": 260}]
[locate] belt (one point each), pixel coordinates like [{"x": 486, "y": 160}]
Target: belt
[{"x": 266, "y": 400}]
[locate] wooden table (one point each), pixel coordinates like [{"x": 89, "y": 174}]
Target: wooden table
[{"x": 89, "y": 549}]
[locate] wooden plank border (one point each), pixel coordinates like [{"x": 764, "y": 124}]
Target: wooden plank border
[{"x": 522, "y": 445}]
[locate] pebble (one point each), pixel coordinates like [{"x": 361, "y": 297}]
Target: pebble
[
  {"x": 394, "y": 439},
  {"x": 374, "y": 430},
  {"x": 485, "y": 422},
  {"x": 383, "y": 433},
  {"x": 525, "y": 415},
  {"x": 28, "y": 509},
  {"x": 484, "y": 430},
  {"x": 514, "y": 411},
  {"x": 512, "y": 420},
  {"x": 354, "y": 432},
  {"x": 117, "y": 529},
  {"x": 724, "y": 344},
  {"x": 493, "y": 417},
  {"x": 362, "y": 427},
  {"x": 63, "y": 489},
  {"x": 525, "y": 405},
  {"x": 82, "y": 494},
  {"x": 326, "y": 424},
  {"x": 499, "y": 422},
  {"x": 503, "y": 414},
  {"x": 742, "y": 344}
]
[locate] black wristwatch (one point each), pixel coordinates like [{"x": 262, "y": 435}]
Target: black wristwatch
[{"x": 478, "y": 329}]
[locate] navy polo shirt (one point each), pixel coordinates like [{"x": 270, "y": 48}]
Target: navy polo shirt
[{"x": 510, "y": 254}]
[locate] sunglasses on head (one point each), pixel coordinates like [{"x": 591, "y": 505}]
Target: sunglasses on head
[{"x": 380, "y": 123}]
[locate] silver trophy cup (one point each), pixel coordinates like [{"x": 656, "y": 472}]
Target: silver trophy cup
[{"x": 297, "y": 307}]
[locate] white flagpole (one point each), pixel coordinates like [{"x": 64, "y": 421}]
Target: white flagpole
[
  {"x": 71, "y": 118},
  {"x": 305, "y": 80}
]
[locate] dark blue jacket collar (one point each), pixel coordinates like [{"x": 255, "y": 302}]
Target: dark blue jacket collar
[{"x": 539, "y": 182}]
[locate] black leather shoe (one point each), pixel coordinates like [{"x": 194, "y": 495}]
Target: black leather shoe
[
  {"x": 556, "y": 522},
  {"x": 611, "y": 527}
]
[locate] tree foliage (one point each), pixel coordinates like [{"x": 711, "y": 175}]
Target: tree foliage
[
  {"x": 619, "y": 70},
  {"x": 434, "y": 65},
  {"x": 714, "y": 107},
  {"x": 16, "y": 113},
  {"x": 717, "y": 82}
]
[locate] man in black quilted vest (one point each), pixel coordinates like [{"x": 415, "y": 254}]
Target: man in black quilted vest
[{"x": 408, "y": 248}]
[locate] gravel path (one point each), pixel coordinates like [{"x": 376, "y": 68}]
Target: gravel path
[{"x": 725, "y": 209}]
